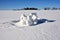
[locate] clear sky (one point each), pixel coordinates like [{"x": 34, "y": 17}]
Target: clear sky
[{"x": 16, "y": 4}]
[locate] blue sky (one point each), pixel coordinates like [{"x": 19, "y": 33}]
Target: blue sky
[{"x": 16, "y": 4}]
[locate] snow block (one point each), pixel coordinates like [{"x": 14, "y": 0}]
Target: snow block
[{"x": 27, "y": 20}]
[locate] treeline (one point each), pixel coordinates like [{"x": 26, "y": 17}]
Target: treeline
[
  {"x": 27, "y": 9},
  {"x": 46, "y": 8},
  {"x": 54, "y": 8},
  {"x": 30, "y": 8}
]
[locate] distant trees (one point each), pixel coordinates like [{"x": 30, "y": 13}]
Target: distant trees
[
  {"x": 27, "y": 9},
  {"x": 54, "y": 8},
  {"x": 16, "y": 9},
  {"x": 58, "y": 8},
  {"x": 47, "y": 8},
  {"x": 30, "y": 8}
]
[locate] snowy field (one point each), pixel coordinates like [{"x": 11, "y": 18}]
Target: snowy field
[{"x": 45, "y": 30}]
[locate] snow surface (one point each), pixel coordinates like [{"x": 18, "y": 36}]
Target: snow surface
[{"x": 43, "y": 31}]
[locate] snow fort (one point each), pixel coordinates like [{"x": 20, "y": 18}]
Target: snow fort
[{"x": 29, "y": 20}]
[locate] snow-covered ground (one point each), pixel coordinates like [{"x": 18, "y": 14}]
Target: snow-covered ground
[{"x": 42, "y": 31}]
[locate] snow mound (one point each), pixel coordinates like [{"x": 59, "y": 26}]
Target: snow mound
[{"x": 27, "y": 20}]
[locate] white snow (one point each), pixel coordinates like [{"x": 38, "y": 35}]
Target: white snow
[
  {"x": 26, "y": 20},
  {"x": 43, "y": 31}
]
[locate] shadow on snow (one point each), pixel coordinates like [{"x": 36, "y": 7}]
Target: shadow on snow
[{"x": 41, "y": 21}]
